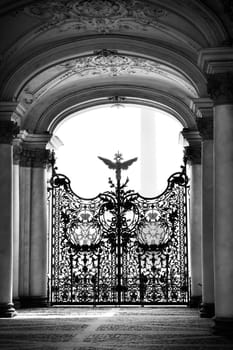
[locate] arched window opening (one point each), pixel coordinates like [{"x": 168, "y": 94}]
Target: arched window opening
[{"x": 149, "y": 134}]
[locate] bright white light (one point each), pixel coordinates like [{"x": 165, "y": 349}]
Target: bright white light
[{"x": 105, "y": 131}]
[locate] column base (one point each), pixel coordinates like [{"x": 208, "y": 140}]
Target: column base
[
  {"x": 207, "y": 310},
  {"x": 195, "y": 301},
  {"x": 30, "y": 302},
  {"x": 223, "y": 326},
  {"x": 7, "y": 310},
  {"x": 16, "y": 303}
]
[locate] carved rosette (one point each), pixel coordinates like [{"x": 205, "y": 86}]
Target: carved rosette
[
  {"x": 36, "y": 157},
  {"x": 8, "y": 131},
  {"x": 220, "y": 88},
  {"x": 192, "y": 154},
  {"x": 205, "y": 128}
]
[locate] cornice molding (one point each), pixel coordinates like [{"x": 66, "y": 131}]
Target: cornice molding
[
  {"x": 202, "y": 107},
  {"x": 192, "y": 136},
  {"x": 11, "y": 111},
  {"x": 216, "y": 60}
]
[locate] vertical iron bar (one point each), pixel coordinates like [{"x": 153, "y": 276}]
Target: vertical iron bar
[
  {"x": 98, "y": 277},
  {"x": 71, "y": 272},
  {"x": 140, "y": 278},
  {"x": 167, "y": 287},
  {"x": 119, "y": 238}
]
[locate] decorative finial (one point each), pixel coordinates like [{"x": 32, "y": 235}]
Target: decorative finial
[{"x": 118, "y": 165}]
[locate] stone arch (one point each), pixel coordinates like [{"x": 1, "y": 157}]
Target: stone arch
[{"x": 46, "y": 120}]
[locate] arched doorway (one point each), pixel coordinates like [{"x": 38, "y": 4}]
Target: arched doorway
[{"x": 119, "y": 247}]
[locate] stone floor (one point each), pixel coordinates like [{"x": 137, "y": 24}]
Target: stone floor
[{"x": 105, "y": 328}]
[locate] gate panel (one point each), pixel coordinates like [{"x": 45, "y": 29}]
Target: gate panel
[{"x": 119, "y": 247}]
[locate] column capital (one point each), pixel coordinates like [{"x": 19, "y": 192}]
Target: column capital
[
  {"x": 220, "y": 88},
  {"x": 206, "y": 128},
  {"x": 192, "y": 136},
  {"x": 31, "y": 151},
  {"x": 36, "y": 158}
]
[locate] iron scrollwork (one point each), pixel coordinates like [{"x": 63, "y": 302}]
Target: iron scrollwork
[{"x": 119, "y": 247}]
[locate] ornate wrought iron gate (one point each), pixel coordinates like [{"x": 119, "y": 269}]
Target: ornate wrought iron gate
[{"x": 119, "y": 247}]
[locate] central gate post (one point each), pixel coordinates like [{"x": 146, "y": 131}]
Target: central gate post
[{"x": 193, "y": 156}]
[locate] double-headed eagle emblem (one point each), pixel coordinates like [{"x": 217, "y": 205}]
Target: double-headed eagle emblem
[{"x": 118, "y": 165}]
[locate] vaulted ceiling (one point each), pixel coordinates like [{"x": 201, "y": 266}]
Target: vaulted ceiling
[{"x": 62, "y": 55}]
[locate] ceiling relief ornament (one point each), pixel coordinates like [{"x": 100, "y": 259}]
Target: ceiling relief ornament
[
  {"x": 103, "y": 16},
  {"x": 105, "y": 63}
]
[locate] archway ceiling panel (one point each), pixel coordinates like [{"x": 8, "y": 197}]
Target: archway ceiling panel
[
  {"x": 47, "y": 115},
  {"x": 184, "y": 23},
  {"x": 93, "y": 68}
]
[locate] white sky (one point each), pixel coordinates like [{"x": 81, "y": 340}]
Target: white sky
[{"x": 103, "y": 131}]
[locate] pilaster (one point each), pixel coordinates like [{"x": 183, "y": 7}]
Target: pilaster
[
  {"x": 34, "y": 158},
  {"x": 205, "y": 127},
  {"x": 218, "y": 65},
  {"x": 8, "y": 130},
  {"x": 193, "y": 158}
]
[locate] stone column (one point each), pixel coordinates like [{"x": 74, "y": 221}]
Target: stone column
[
  {"x": 34, "y": 159},
  {"x": 8, "y": 129},
  {"x": 205, "y": 126},
  {"x": 220, "y": 87},
  {"x": 16, "y": 220},
  {"x": 193, "y": 156}
]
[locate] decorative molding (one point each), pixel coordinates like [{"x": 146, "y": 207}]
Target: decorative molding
[
  {"x": 117, "y": 101},
  {"x": 107, "y": 63},
  {"x": 216, "y": 60},
  {"x": 8, "y": 131},
  {"x": 220, "y": 88},
  {"x": 202, "y": 107},
  {"x": 206, "y": 128},
  {"x": 35, "y": 157},
  {"x": 11, "y": 111},
  {"x": 103, "y": 16},
  {"x": 192, "y": 136}
]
